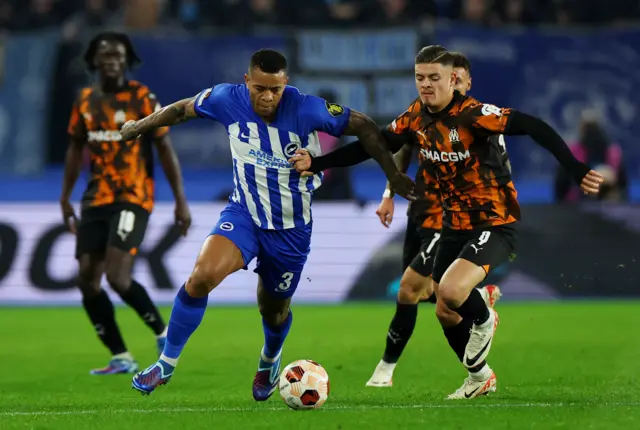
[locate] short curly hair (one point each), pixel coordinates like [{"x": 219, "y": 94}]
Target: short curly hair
[{"x": 133, "y": 60}]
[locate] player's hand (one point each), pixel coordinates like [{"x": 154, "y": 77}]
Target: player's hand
[
  {"x": 591, "y": 182},
  {"x": 301, "y": 161},
  {"x": 129, "y": 131},
  {"x": 403, "y": 185},
  {"x": 385, "y": 211},
  {"x": 69, "y": 215},
  {"x": 182, "y": 217}
]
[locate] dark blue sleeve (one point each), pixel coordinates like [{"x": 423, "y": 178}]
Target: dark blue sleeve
[
  {"x": 317, "y": 114},
  {"x": 211, "y": 101}
]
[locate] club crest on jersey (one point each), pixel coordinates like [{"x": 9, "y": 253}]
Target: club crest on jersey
[
  {"x": 120, "y": 117},
  {"x": 454, "y": 137},
  {"x": 291, "y": 148},
  {"x": 334, "y": 109}
]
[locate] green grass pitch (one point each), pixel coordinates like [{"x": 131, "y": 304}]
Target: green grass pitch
[{"x": 559, "y": 366}]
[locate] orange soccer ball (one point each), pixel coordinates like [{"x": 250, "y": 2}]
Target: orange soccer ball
[{"x": 304, "y": 384}]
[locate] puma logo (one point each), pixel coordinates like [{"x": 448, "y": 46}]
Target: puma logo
[{"x": 425, "y": 257}]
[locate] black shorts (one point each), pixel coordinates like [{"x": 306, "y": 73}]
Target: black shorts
[
  {"x": 120, "y": 225},
  {"x": 419, "y": 249},
  {"x": 487, "y": 248}
]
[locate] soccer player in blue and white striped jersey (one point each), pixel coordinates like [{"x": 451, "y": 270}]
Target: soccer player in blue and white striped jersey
[{"x": 269, "y": 212}]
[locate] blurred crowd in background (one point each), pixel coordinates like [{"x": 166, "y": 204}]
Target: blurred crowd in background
[
  {"x": 354, "y": 52},
  {"x": 78, "y": 15}
]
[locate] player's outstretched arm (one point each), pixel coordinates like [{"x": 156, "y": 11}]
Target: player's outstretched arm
[
  {"x": 175, "y": 113},
  {"x": 345, "y": 156},
  {"x": 372, "y": 141},
  {"x": 544, "y": 135}
]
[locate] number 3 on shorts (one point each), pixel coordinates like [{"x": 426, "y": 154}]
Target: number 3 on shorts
[{"x": 286, "y": 281}]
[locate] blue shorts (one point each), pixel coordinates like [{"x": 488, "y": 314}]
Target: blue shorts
[{"x": 281, "y": 254}]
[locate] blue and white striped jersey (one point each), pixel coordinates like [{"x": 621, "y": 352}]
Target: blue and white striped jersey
[{"x": 275, "y": 195}]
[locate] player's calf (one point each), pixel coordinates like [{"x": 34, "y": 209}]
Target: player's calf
[
  {"x": 101, "y": 312},
  {"x": 457, "y": 291},
  {"x": 276, "y": 323},
  {"x": 119, "y": 264},
  {"x": 218, "y": 256},
  {"x": 413, "y": 286}
]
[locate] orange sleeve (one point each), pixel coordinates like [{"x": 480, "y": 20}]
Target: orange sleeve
[
  {"x": 490, "y": 118},
  {"x": 76, "y": 129},
  {"x": 150, "y": 104},
  {"x": 404, "y": 121}
]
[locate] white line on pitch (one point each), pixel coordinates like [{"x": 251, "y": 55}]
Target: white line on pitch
[{"x": 327, "y": 408}]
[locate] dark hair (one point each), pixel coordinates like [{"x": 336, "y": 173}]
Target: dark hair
[
  {"x": 268, "y": 60},
  {"x": 460, "y": 60},
  {"x": 434, "y": 54},
  {"x": 111, "y": 36}
]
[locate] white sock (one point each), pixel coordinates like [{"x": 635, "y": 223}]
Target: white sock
[
  {"x": 171, "y": 361},
  {"x": 388, "y": 367},
  {"x": 164, "y": 332},
  {"x": 482, "y": 375},
  {"x": 124, "y": 356},
  {"x": 266, "y": 359}
]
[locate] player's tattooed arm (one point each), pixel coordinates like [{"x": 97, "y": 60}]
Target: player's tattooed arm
[
  {"x": 403, "y": 160},
  {"x": 175, "y": 113},
  {"x": 346, "y": 156},
  {"x": 372, "y": 141}
]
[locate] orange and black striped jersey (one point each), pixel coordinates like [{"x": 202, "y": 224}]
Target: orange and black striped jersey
[
  {"x": 460, "y": 161},
  {"x": 119, "y": 171},
  {"x": 426, "y": 210}
]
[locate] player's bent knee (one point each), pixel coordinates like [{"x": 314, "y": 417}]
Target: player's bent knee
[
  {"x": 88, "y": 281},
  {"x": 412, "y": 287},
  {"x": 219, "y": 257},
  {"x": 204, "y": 279},
  {"x": 118, "y": 280},
  {"x": 458, "y": 282},
  {"x": 451, "y": 295},
  {"x": 88, "y": 287},
  {"x": 409, "y": 294}
]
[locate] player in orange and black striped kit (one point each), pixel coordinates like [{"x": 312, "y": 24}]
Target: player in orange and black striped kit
[
  {"x": 424, "y": 225},
  {"x": 119, "y": 196},
  {"x": 479, "y": 199}
]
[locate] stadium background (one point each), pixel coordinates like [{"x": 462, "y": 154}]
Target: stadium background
[
  {"x": 562, "y": 363},
  {"x": 554, "y": 59}
]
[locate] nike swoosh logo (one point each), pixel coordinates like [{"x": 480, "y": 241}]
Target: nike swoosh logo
[
  {"x": 473, "y": 360},
  {"x": 245, "y": 136},
  {"x": 468, "y": 395}
]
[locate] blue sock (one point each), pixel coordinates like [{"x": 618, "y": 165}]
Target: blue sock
[
  {"x": 186, "y": 316},
  {"x": 274, "y": 336}
]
